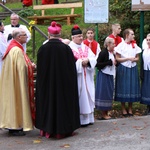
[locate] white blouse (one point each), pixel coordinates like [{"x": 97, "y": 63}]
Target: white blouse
[
  {"x": 126, "y": 50},
  {"x": 146, "y": 59},
  {"x": 110, "y": 69}
]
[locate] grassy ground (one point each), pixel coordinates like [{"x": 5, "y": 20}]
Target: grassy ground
[
  {"x": 66, "y": 29},
  {"x": 138, "y": 109}
]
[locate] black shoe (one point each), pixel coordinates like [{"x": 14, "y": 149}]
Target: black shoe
[
  {"x": 147, "y": 112},
  {"x": 84, "y": 125},
  {"x": 130, "y": 115},
  {"x": 16, "y": 133},
  {"x": 91, "y": 123},
  {"x": 125, "y": 115}
]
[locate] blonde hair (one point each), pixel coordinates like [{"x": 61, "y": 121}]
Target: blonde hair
[
  {"x": 148, "y": 35},
  {"x": 115, "y": 25}
]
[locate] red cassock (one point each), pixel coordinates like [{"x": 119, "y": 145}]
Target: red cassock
[
  {"x": 27, "y": 3},
  {"x": 49, "y": 2}
]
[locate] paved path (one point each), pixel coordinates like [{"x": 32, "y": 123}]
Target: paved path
[{"x": 116, "y": 134}]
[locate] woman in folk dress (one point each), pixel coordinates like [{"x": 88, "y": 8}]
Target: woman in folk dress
[
  {"x": 145, "y": 94},
  {"x": 127, "y": 79},
  {"x": 105, "y": 78}
]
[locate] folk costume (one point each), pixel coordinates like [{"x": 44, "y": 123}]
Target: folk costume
[
  {"x": 117, "y": 39},
  {"x": 86, "y": 88},
  {"x": 93, "y": 45},
  {"x": 104, "y": 80},
  {"x": 145, "y": 94},
  {"x": 57, "y": 104},
  {"x": 127, "y": 78},
  {"x": 144, "y": 44},
  {"x": 8, "y": 29},
  {"x": 3, "y": 46},
  {"x": 16, "y": 89}
]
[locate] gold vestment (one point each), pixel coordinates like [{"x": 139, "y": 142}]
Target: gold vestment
[{"x": 14, "y": 93}]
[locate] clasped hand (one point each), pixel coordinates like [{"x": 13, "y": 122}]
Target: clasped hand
[{"x": 85, "y": 62}]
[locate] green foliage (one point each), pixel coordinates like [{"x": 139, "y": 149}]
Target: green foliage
[
  {"x": 119, "y": 12},
  {"x": 26, "y": 12}
]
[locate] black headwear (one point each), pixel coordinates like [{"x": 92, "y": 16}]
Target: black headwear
[{"x": 76, "y": 30}]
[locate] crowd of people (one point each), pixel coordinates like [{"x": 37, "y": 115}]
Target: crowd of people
[{"x": 66, "y": 92}]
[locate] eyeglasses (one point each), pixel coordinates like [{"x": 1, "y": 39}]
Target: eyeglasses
[
  {"x": 14, "y": 19},
  {"x": 23, "y": 35}
]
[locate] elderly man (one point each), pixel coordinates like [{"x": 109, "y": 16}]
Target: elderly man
[
  {"x": 57, "y": 104},
  {"x": 85, "y": 64},
  {"x": 14, "y": 18},
  {"x": 16, "y": 87}
]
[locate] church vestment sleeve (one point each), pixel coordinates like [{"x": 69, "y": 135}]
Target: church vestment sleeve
[
  {"x": 92, "y": 59},
  {"x": 15, "y": 92},
  {"x": 79, "y": 65},
  {"x": 3, "y": 47},
  {"x": 98, "y": 50}
]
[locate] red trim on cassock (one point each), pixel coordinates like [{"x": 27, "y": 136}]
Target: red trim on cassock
[{"x": 12, "y": 44}]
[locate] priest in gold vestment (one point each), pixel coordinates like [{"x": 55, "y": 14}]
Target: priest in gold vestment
[{"x": 16, "y": 88}]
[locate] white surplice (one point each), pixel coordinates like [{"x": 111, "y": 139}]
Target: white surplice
[
  {"x": 3, "y": 46},
  {"x": 86, "y": 88},
  {"x": 8, "y": 29}
]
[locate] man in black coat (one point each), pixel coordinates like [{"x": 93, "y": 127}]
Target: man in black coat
[{"x": 57, "y": 104}]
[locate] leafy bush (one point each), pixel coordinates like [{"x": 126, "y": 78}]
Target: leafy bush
[{"x": 26, "y": 12}]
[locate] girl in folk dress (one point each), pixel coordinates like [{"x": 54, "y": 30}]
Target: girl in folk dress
[
  {"x": 127, "y": 79},
  {"x": 145, "y": 94},
  {"x": 105, "y": 80}
]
